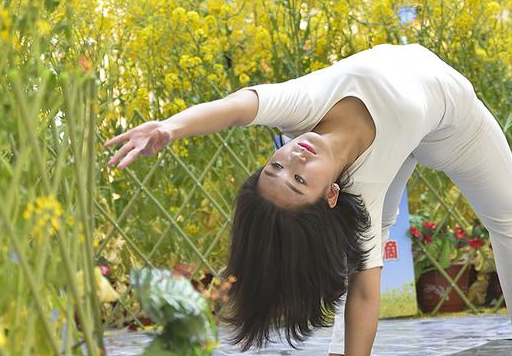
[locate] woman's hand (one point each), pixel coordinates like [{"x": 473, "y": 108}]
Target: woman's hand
[{"x": 145, "y": 139}]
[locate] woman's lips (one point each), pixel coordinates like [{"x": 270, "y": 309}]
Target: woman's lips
[{"x": 307, "y": 147}]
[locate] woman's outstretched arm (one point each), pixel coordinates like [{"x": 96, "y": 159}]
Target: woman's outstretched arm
[
  {"x": 362, "y": 312},
  {"x": 236, "y": 109}
]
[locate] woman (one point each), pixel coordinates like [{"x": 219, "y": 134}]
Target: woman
[{"x": 326, "y": 200}]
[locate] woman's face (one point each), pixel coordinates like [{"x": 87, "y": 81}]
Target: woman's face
[{"x": 299, "y": 172}]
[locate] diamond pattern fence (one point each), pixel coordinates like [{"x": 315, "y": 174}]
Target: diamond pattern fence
[{"x": 190, "y": 207}]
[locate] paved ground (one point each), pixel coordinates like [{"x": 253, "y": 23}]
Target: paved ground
[{"x": 457, "y": 336}]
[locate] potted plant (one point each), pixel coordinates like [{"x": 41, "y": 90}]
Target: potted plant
[{"x": 449, "y": 250}]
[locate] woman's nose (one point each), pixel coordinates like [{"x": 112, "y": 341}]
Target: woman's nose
[{"x": 299, "y": 156}]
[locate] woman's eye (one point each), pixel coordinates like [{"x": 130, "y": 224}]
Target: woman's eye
[
  {"x": 299, "y": 179},
  {"x": 276, "y": 165}
]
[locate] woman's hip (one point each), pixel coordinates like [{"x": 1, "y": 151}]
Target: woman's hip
[{"x": 467, "y": 138}]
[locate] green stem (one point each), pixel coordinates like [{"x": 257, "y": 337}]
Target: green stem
[
  {"x": 30, "y": 280},
  {"x": 89, "y": 269},
  {"x": 89, "y": 247}
]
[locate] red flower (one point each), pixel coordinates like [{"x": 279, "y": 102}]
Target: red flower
[
  {"x": 475, "y": 242},
  {"x": 104, "y": 270},
  {"x": 427, "y": 237},
  {"x": 459, "y": 232},
  {"x": 429, "y": 225},
  {"x": 415, "y": 232}
]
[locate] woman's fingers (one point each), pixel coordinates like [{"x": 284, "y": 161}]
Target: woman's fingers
[
  {"x": 146, "y": 139},
  {"x": 118, "y": 139},
  {"x": 120, "y": 154},
  {"x": 130, "y": 157}
]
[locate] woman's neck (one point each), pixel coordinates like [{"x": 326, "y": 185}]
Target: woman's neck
[{"x": 348, "y": 129}]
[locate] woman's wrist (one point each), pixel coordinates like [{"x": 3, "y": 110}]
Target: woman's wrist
[{"x": 171, "y": 128}]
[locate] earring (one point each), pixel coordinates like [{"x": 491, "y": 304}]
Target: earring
[{"x": 336, "y": 187}]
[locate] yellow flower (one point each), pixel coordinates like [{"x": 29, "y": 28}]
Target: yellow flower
[
  {"x": 179, "y": 14},
  {"x": 193, "y": 17},
  {"x": 179, "y": 149},
  {"x": 43, "y": 27},
  {"x": 47, "y": 212},
  {"x": 3, "y": 339},
  {"x": 208, "y": 58},
  {"x": 178, "y": 105},
  {"x": 465, "y": 22},
  {"x": 261, "y": 160},
  {"x": 244, "y": 79},
  {"x": 315, "y": 65},
  {"x": 192, "y": 229},
  {"x": 218, "y": 68},
  {"x": 5, "y": 19},
  {"x": 28, "y": 211},
  {"x": 214, "y": 5},
  {"x": 480, "y": 52},
  {"x": 226, "y": 10},
  {"x": 492, "y": 8},
  {"x": 172, "y": 79},
  {"x": 210, "y": 22},
  {"x": 55, "y": 223}
]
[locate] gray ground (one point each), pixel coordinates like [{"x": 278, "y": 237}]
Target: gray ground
[{"x": 460, "y": 336}]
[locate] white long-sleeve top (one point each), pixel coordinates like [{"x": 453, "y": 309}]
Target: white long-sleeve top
[{"x": 410, "y": 93}]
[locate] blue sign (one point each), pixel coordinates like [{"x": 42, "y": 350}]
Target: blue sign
[{"x": 398, "y": 292}]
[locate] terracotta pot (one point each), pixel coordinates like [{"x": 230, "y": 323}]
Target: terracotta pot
[{"x": 431, "y": 286}]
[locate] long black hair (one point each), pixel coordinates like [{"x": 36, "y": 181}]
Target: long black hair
[{"x": 291, "y": 265}]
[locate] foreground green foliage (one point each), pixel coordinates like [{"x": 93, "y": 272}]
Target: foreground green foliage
[{"x": 171, "y": 301}]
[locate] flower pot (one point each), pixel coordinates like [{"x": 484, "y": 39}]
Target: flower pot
[{"x": 431, "y": 286}]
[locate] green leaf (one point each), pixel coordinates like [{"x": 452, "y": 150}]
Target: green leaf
[
  {"x": 444, "y": 256},
  {"x": 508, "y": 123},
  {"x": 158, "y": 348},
  {"x": 173, "y": 302}
]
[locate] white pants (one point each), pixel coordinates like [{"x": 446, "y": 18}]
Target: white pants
[{"x": 475, "y": 155}]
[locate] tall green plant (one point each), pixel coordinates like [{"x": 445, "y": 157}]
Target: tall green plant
[{"x": 49, "y": 304}]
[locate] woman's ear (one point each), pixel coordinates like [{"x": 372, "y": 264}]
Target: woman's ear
[{"x": 332, "y": 194}]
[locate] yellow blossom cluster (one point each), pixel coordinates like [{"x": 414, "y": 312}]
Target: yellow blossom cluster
[
  {"x": 192, "y": 229},
  {"x": 5, "y": 24},
  {"x": 46, "y": 212}
]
